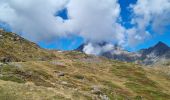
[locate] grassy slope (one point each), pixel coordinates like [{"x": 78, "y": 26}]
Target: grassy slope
[
  {"x": 113, "y": 79},
  {"x": 15, "y": 48},
  {"x": 37, "y": 74}
]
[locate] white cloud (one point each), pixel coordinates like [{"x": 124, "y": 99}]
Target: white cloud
[
  {"x": 94, "y": 20},
  {"x": 98, "y": 49},
  {"x": 134, "y": 37},
  {"x": 154, "y": 13},
  {"x": 34, "y": 18}
]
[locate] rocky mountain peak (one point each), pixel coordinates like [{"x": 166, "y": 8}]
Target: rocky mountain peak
[
  {"x": 159, "y": 49},
  {"x": 161, "y": 45}
]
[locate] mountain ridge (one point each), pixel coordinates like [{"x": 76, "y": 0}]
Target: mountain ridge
[{"x": 146, "y": 56}]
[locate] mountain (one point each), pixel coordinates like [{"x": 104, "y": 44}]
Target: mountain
[
  {"x": 157, "y": 53},
  {"x": 145, "y": 56},
  {"x": 33, "y": 73},
  {"x": 159, "y": 49},
  {"x": 116, "y": 53}
]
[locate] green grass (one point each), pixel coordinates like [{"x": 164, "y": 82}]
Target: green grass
[
  {"x": 12, "y": 78},
  {"x": 138, "y": 82},
  {"x": 78, "y": 76},
  {"x": 12, "y": 73},
  {"x": 7, "y": 95},
  {"x": 8, "y": 74},
  {"x": 114, "y": 92},
  {"x": 147, "y": 92}
]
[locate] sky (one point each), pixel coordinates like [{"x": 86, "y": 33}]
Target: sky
[
  {"x": 125, "y": 13},
  {"x": 66, "y": 24}
]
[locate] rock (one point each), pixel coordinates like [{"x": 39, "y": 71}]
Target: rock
[
  {"x": 104, "y": 97},
  {"x": 1, "y": 64},
  {"x": 15, "y": 64},
  {"x": 16, "y": 39},
  {"x": 96, "y": 90},
  {"x": 64, "y": 83},
  {"x": 61, "y": 74},
  {"x": 1, "y": 75},
  {"x": 57, "y": 63},
  {"x": 5, "y": 59}
]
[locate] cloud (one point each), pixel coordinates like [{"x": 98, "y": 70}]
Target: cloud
[
  {"x": 36, "y": 20},
  {"x": 151, "y": 13},
  {"x": 95, "y": 23},
  {"x": 93, "y": 20},
  {"x": 135, "y": 36},
  {"x": 33, "y": 18},
  {"x": 147, "y": 14},
  {"x": 98, "y": 49}
]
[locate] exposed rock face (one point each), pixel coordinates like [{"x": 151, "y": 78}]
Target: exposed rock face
[
  {"x": 159, "y": 49},
  {"x": 145, "y": 56},
  {"x": 154, "y": 54},
  {"x": 122, "y": 55}
]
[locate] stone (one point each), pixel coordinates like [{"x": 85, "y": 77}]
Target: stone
[
  {"x": 104, "y": 97},
  {"x": 96, "y": 90},
  {"x": 1, "y": 75},
  {"x": 16, "y": 39},
  {"x": 61, "y": 74},
  {"x": 64, "y": 83},
  {"x": 5, "y": 59}
]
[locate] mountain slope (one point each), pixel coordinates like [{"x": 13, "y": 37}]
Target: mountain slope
[
  {"x": 16, "y": 48},
  {"x": 77, "y": 76}
]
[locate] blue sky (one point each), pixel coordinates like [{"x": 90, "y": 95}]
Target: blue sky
[
  {"x": 125, "y": 13},
  {"x": 66, "y": 43},
  {"x": 73, "y": 41}
]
